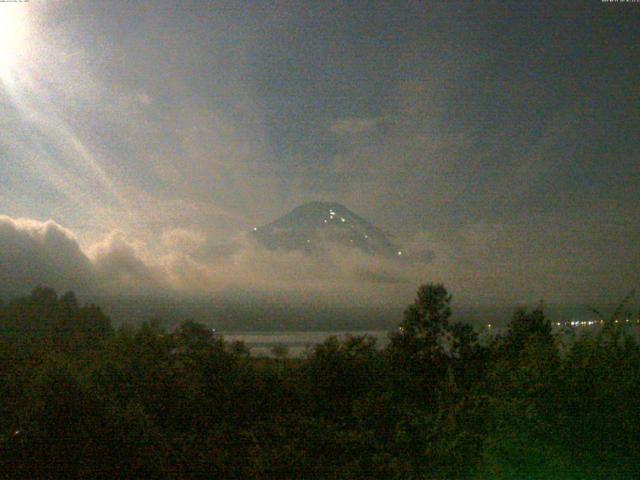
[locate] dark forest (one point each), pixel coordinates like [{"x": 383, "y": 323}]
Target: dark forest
[{"x": 80, "y": 399}]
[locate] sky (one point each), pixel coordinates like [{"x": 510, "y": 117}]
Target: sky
[{"x": 139, "y": 140}]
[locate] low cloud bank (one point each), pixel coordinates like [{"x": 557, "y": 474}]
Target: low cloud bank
[
  {"x": 185, "y": 263},
  {"x": 481, "y": 264},
  {"x": 33, "y": 253}
]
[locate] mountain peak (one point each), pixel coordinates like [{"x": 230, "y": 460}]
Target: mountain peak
[{"x": 312, "y": 226}]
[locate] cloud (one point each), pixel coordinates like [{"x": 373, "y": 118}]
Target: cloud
[
  {"x": 33, "y": 253},
  {"x": 120, "y": 268},
  {"x": 379, "y": 276},
  {"x": 334, "y": 274},
  {"x": 476, "y": 262},
  {"x": 354, "y": 125},
  {"x": 144, "y": 98},
  {"x": 185, "y": 263},
  {"x": 183, "y": 239},
  {"x": 45, "y": 253}
]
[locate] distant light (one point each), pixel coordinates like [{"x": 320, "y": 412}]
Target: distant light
[
  {"x": 308, "y": 241},
  {"x": 342, "y": 219},
  {"x": 325, "y": 220},
  {"x": 255, "y": 229},
  {"x": 366, "y": 236},
  {"x": 489, "y": 325},
  {"x": 399, "y": 252}
]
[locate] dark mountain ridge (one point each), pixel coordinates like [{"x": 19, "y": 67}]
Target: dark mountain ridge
[{"x": 313, "y": 226}]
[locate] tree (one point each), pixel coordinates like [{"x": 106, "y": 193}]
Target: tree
[
  {"x": 42, "y": 318},
  {"x": 417, "y": 351},
  {"x": 525, "y": 327},
  {"x": 280, "y": 351},
  {"x": 339, "y": 372},
  {"x": 429, "y": 314}
]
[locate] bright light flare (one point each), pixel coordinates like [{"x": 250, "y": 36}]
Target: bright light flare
[{"x": 13, "y": 35}]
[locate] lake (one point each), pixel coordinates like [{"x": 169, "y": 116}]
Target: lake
[{"x": 261, "y": 343}]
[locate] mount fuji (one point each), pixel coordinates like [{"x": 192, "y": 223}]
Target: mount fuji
[{"x": 314, "y": 226}]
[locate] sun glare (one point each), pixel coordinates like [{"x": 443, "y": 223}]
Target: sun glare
[{"x": 13, "y": 33}]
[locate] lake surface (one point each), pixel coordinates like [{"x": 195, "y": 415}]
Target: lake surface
[{"x": 261, "y": 343}]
